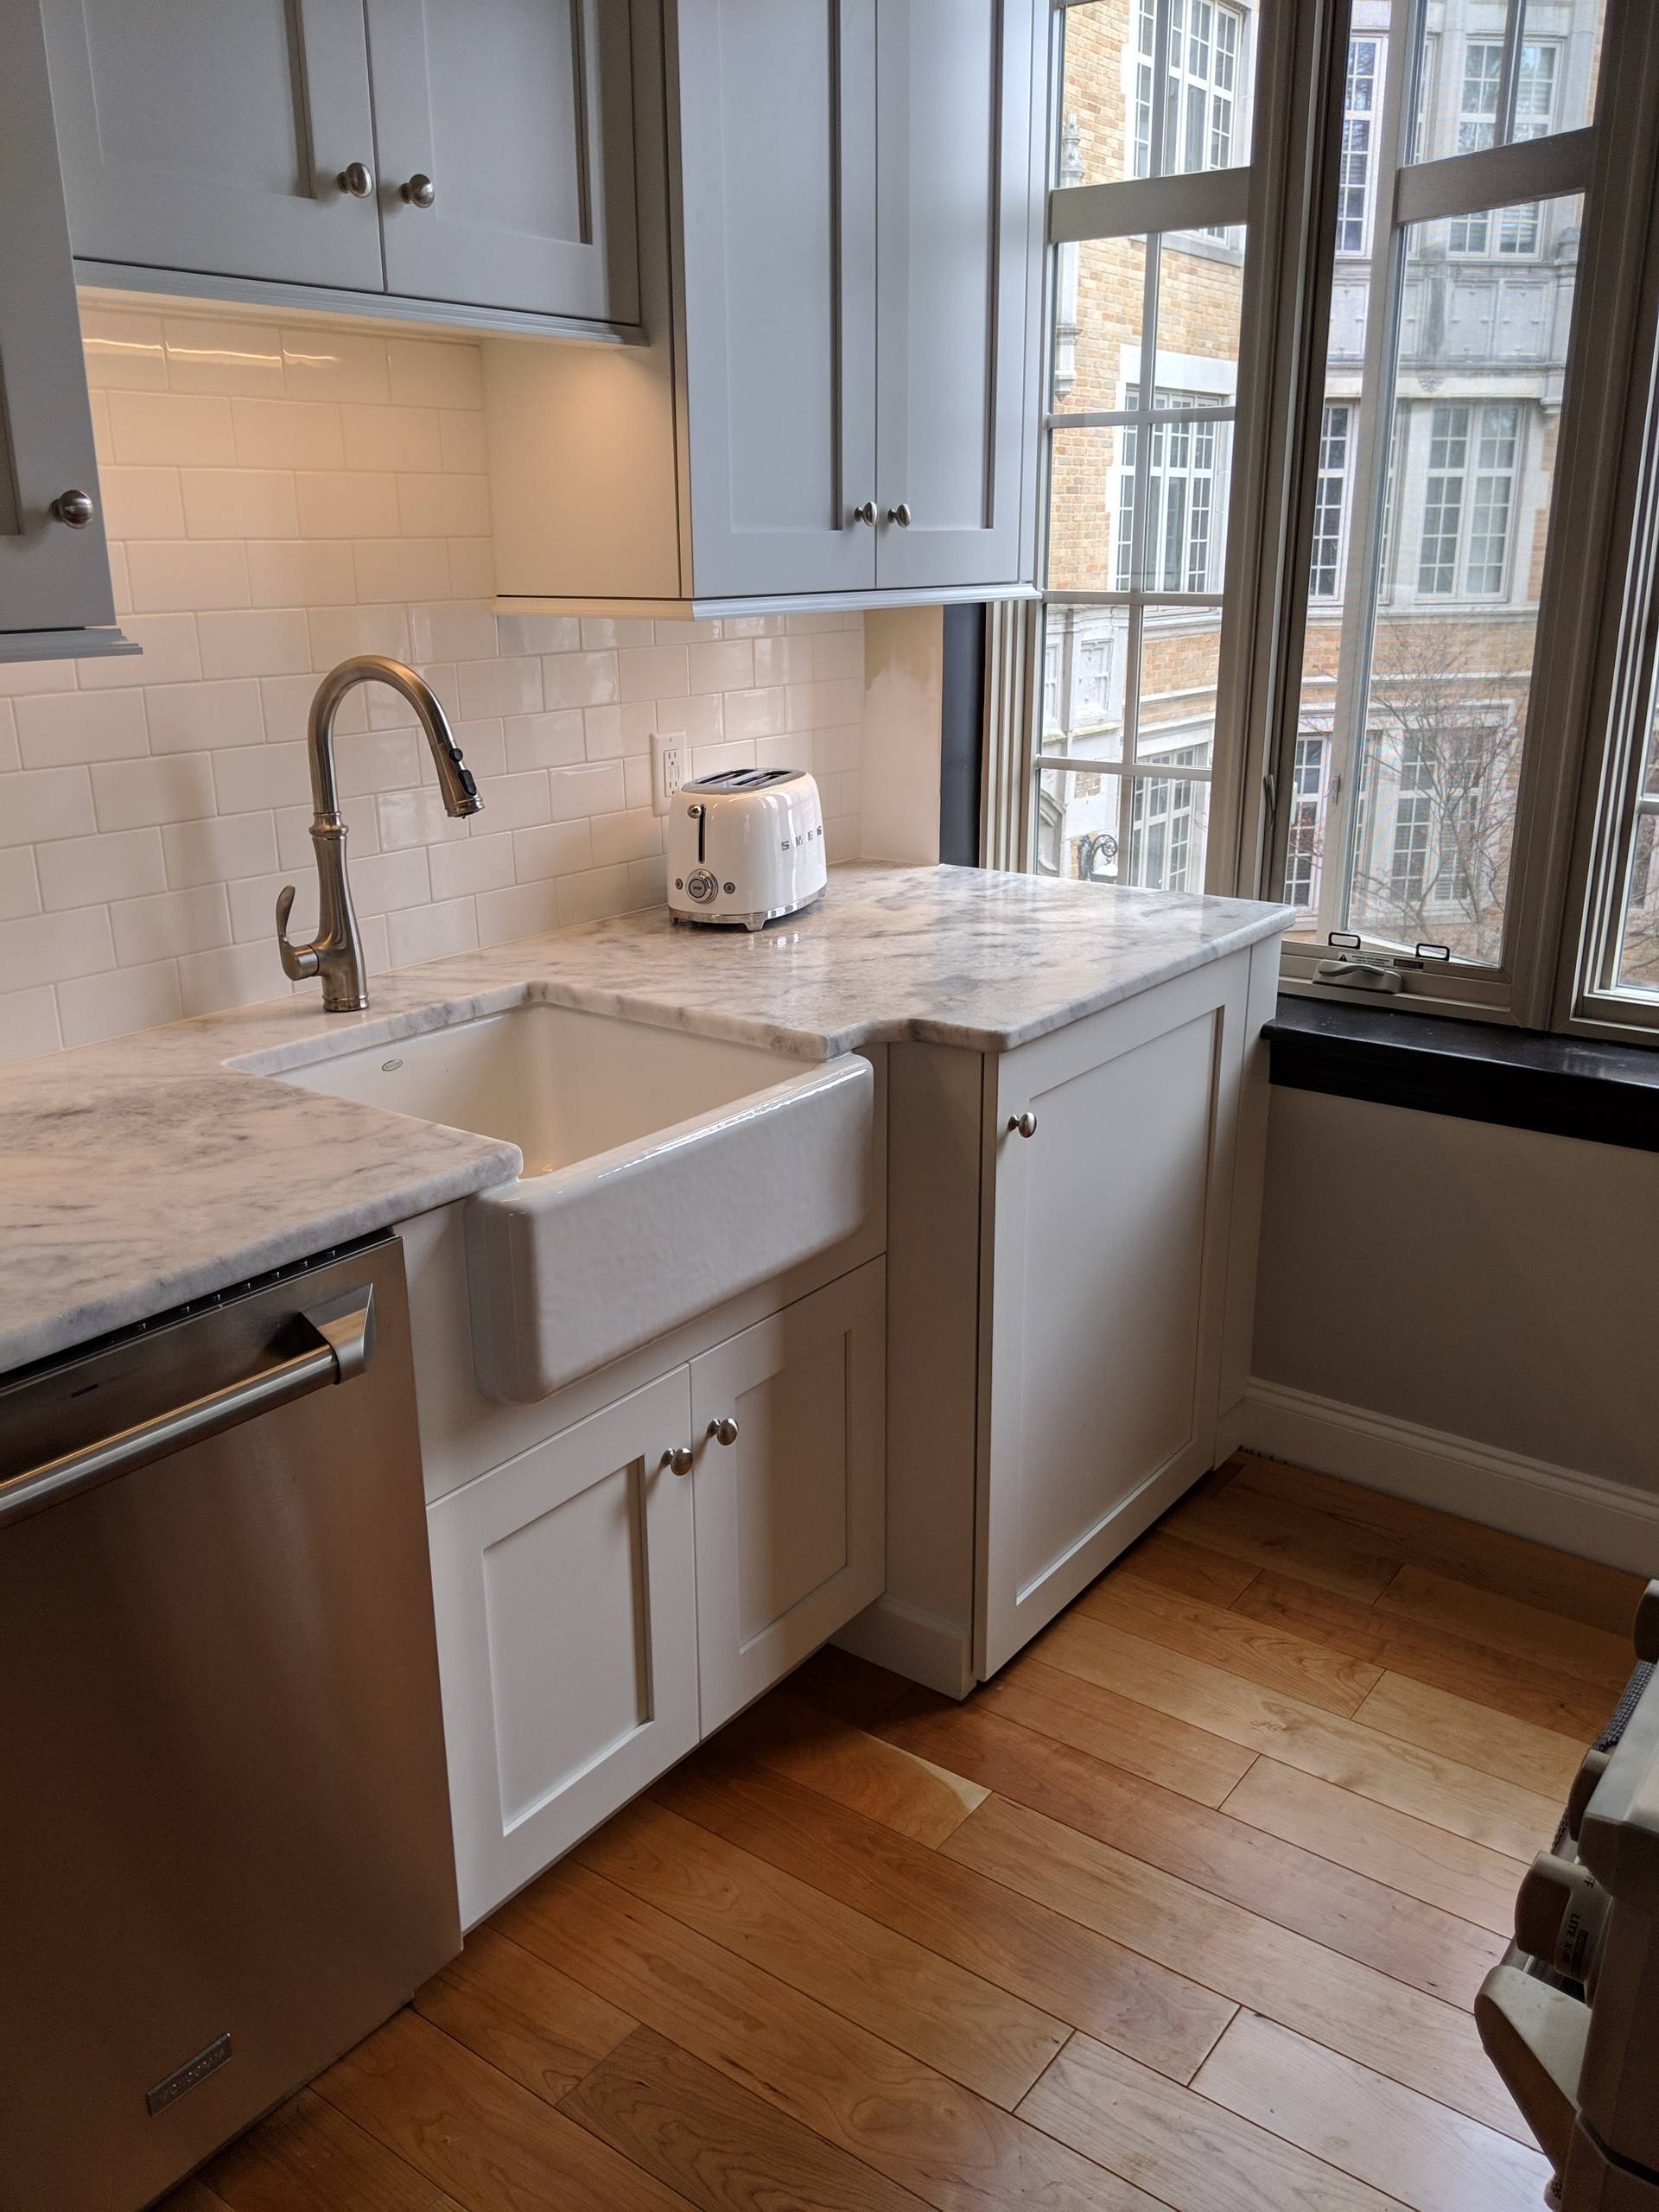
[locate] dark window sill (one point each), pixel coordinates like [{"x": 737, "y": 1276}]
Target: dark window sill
[{"x": 1520, "y": 1079}]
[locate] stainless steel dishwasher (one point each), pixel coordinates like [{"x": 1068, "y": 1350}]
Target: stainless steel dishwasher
[{"x": 225, "y": 1839}]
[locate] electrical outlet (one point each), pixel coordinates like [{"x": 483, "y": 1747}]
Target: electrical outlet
[{"x": 667, "y": 772}]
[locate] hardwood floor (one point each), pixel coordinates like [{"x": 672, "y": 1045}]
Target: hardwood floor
[{"x": 1187, "y": 1910}]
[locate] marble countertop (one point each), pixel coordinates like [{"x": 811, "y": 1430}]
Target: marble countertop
[{"x": 139, "y": 1173}]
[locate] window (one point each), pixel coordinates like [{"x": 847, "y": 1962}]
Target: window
[
  {"x": 1143, "y": 399},
  {"x": 1359, "y": 109},
  {"x": 1331, "y": 501},
  {"x": 1467, "y": 499},
  {"x": 1458, "y": 543}
]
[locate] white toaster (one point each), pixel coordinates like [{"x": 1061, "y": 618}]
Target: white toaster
[{"x": 746, "y": 846}]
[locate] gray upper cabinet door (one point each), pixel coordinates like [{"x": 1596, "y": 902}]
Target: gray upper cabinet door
[
  {"x": 517, "y": 115},
  {"x": 777, "y": 118},
  {"x": 210, "y": 135},
  {"x": 52, "y": 576},
  {"x": 956, "y": 197}
]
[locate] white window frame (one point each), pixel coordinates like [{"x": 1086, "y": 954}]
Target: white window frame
[{"x": 1358, "y": 147}]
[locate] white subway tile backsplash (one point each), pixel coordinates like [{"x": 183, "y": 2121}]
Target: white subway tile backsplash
[
  {"x": 170, "y": 922},
  {"x": 220, "y": 849},
  {"x": 285, "y": 434},
  {"x": 392, "y": 437},
  {"x": 152, "y": 427},
  {"x": 238, "y": 503},
  {"x": 263, "y": 641},
  {"x": 91, "y": 1007},
  {"x": 428, "y": 373},
  {"x": 130, "y": 794},
  {"x": 347, "y": 503},
  {"x": 167, "y": 578},
  {"x": 335, "y": 365},
  {"x": 20, "y": 890},
  {"x": 43, "y": 803},
  {"x": 279, "y": 498},
  {"x": 69, "y": 725},
  {"x": 28, "y": 1023},
  {"x": 82, "y": 871}
]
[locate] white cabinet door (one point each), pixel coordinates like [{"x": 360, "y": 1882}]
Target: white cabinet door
[
  {"x": 566, "y": 1636},
  {"x": 959, "y": 250},
  {"x": 1105, "y": 1278},
  {"x": 210, "y": 135},
  {"x": 792, "y": 1513},
  {"x": 776, "y": 123},
  {"x": 518, "y": 113},
  {"x": 52, "y": 576}
]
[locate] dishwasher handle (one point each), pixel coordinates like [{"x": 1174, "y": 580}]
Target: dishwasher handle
[{"x": 346, "y": 1334}]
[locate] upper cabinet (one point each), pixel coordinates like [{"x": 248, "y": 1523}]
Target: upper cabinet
[
  {"x": 849, "y": 248},
  {"x": 55, "y": 599},
  {"x": 457, "y": 162}
]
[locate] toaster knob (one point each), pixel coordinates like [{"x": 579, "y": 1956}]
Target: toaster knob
[{"x": 702, "y": 886}]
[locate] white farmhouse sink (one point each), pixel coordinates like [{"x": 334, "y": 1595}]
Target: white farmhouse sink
[{"x": 662, "y": 1173}]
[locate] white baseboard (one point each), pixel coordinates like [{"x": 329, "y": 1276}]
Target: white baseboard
[
  {"x": 911, "y": 1642},
  {"x": 1503, "y": 1490}
]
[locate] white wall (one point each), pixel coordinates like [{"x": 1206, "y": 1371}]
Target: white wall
[
  {"x": 1488, "y": 1285},
  {"x": 904, "y": 688},
  {"x": 278, "y": 497}
]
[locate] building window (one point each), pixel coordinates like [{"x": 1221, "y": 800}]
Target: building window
[
  {"x": 1467, "y": 501},
  {"x": 1177, "y": 552},
  {"x": 1330, "y": 500},
  {"x": 1302, "y": 854},
  {"x": 1358, "y": 167},
  {"x": 1204, "y": 43},
  {"x": 1513, "y": 231}
]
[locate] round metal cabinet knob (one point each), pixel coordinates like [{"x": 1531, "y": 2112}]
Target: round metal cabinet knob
[
  {"x": 1023, "y": 1125},
  {"x": 75, "y": 508},
  {"x": 358, "y": 179},
  {"x": 420, "y": 191},
  {"x": 724, "y": 1431},
  {"x": 679, "y": 1456},
  {"x": 901, "y": 514},
  {"x": 865, "y": 513}
]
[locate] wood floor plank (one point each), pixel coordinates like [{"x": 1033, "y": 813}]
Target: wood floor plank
[
  {"x": 307, "y": 2154},
  {"x": 1351, "y": 2008},
  {"x": 851, "y": 1767},
  {"x": 1190, "y": 1570},
  {"x": 193, "y": 2196},
  {"x": 495, "y": 2145},
  {"x": 840, "y": 1683},
  {"x": 521, "y": 2014},
  {"x": 1481, "y": 1807},
  {"x": 1276, "y": 1657},
  {"x": 1165, "y": 2020},
  {"x": 1430, "y": 2159},
  {"x": 1190, "y": 2152},
  {"x": 1593, "y": 1655},
  {"x": 1501, "y": 1681},
  {"x": 1269, "y": 1533},
  {"x": 721, "y": 2146},
  {"x": 1536, "y": 1758},
  {"x": 1601, "y": 1596},
  {"x": 1125, "y": 1731},
  {"x": 1410, "y": 1855},
  {"x": 944, "y": 2014},
  {"x": 1347, "y": 1911},
  {"x": 952, "y": 2149}
]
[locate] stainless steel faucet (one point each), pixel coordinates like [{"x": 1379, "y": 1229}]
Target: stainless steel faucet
[{"x": 336, "y": 952}]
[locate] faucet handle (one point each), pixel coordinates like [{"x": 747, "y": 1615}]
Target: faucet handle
[{"x": 299, "y": 961}]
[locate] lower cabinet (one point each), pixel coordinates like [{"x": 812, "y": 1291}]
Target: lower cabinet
[
  {"x": 791, "y": 1513},
  {"x": 597, "y": 1612}
]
